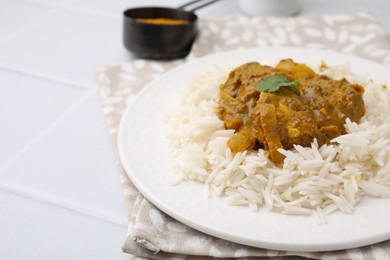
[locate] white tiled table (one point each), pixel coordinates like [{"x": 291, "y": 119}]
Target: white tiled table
[{"x": 60, "y": 195}]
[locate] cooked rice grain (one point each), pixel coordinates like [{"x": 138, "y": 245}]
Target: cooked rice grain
[{"x": 313, "y": 180}]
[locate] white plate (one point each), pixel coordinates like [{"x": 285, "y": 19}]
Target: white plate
[{"x": 144, "y": 152}]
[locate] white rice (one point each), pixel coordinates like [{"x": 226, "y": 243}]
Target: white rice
[{"x": 313, "y": 180}]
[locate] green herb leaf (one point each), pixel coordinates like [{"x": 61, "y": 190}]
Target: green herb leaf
[{"x": 276, "y": 82}]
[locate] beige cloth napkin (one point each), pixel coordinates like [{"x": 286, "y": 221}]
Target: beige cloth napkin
[{"x": 153, "y": 234}]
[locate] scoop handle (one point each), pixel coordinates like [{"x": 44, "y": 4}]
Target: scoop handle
[{"x": 202, "y": 4}]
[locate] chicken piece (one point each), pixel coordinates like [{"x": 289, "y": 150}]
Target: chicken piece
[
  {"x": 286, "y": 119},
  {"x": 332, "y": 101},
  {"x": 238, "y": 97}
]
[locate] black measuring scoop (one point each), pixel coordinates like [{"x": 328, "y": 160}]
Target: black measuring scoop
[{"x": 161, "y": 33}]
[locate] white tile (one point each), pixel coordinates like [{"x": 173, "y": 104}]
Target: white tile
[
  {"x": 66, "y": 46},
  {"x": 14, "y": 16},
  {"x": 28, "y": 105},
  {"x": 117, "y": 7},
  {"x": 35, "y": 230},
  {"x": 72, "y": 165}
]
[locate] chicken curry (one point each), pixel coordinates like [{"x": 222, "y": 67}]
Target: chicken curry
[{"x": 305, "y": 106}]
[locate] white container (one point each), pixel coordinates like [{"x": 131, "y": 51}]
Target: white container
[{"x": 269, "y": 7}]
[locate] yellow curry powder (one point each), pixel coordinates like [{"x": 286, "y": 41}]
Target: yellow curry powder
[{"x": 162, "y": 21}]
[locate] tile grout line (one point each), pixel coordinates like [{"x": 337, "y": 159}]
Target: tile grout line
[
  {"x": 44, "y": 132},
  {"x": 30, "y": 194},
  {"x": 46, "y": 4},
  {"x": 96, "y": 14},
  {"x": 27, "y": 27},
  {"x": 61, "y": 203},
  {"x": 66, "y": 6},
  {"x": 39, "y": 197},
  {"x": 53, "y": 10},
  {"x": 44, "y": 77}
]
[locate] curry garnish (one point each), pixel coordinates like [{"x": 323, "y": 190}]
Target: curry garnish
[{"x": 276, "y": 82}]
